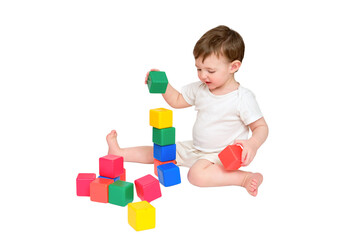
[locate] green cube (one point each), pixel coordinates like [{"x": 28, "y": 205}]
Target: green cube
[
  {"x": 157, "y": 82},
  {"x": 121, "y": 193},
  {"x": 164, "y": 136}
]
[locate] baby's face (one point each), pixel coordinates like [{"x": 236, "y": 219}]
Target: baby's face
[{"x": 214, "y": 71}]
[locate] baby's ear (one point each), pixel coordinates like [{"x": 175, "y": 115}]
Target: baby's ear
[{"x": 235, "y": 65}]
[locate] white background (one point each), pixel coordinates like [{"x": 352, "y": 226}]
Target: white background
[{"x": 71, "y": 71}]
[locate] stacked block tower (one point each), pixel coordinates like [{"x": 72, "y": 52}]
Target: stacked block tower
[{"x": 163, "y": 136}]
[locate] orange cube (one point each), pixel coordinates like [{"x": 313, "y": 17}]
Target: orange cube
[
  {"x": 157, "y": 163},
  {"x": 99, "y": 190}
]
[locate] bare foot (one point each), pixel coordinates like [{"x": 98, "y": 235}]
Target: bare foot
[
  {"x": 252, "y": 183},
  {"x": 111, "y": 139}
]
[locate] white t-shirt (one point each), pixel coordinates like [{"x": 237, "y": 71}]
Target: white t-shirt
[{"x": 221, "y": 119}]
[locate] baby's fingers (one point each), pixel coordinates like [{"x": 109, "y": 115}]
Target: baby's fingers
[
  {"x": 244, "y": 157},
  {"x": 147, "y": 74}
]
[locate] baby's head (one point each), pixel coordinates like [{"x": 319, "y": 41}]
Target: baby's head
[{"x": 221, "y": 41}]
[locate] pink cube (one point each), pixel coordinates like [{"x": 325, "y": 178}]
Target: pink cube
[
  {"x": 83, "y": 181},
  {"x": 111, "y": 166},
  {"x": 148, "y": 188}
]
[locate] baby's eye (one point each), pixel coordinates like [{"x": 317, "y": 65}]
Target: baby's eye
[
  {"x": 211, "y": 71},
  {"x": 198, "y": 70}
]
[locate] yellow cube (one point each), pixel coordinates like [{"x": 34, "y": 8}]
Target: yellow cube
[
  {"x": 161, "y": 118},
  {"x": 141, "y": 215}
]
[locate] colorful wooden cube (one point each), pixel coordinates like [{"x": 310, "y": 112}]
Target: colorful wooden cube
[
  {"x": 169, "y": 174},
  {"x": 111, "y": 166},
  {"x": 83, "y": 181},
  {"x": 165, "y": 136},
  {"x": 161, "y": 118},
  {"x": 141, "y": 215},
  {"x": 158, "y": 163},
  {"x": 165, "y": 153},
  {"x": 121, "y": 193},
  {"x": 231, "y": 157},
  {"x": 148, "y": 188},
  {"x": 157, "y": 82},
  {"x": 99, "y": 190}
]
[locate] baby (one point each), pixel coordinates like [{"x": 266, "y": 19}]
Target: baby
[{"x": 225, "y": 113}]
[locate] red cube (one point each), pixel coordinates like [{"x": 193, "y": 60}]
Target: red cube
[
  {"x": 111, "y": 166},
  {"x": 231, "y": 157},
  {"x": 83, "y": 181},
  {"x": 148, "y": 188}
]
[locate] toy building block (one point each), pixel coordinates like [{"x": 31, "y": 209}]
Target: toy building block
[
  {"x": 111, "y": 166},
  {"x": 161, "y": 118},
  {"x": 114, "y": 179},
  {"x": 157, "y": 82},
  {"x": 165, "y": 153},
  {"x": 122, "y": 177},
  {"x": 141, "y": 215},
  {"x": 165, "y": 136},
  {"x": 169, "y": 174},
  {"x": 121, "y": 193},
  {"x": 148, "y": 188},
  {"x": 99, "y": 190},
  {"x": 231, "y": 157},
  {"x": 83, "y": 181},
  {"x": 158, "y": 163}
]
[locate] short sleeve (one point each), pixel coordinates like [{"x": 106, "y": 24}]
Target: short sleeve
[
  {"x": 189, "y": 92},
  {"x": 249, "y": 109}
]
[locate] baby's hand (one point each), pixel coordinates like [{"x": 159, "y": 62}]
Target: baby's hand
[
  {"x": 147, "y": 74},
  {"x": 249, "y": 151}
]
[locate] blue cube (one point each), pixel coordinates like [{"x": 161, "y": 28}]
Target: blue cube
[
  {"x": 165, "y": 153},
  {"x": 115, "y": 179},
  {"x": 169, "y": 174}
]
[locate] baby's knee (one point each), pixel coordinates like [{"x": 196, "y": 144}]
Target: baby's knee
[{"x": 196, "y": 178}]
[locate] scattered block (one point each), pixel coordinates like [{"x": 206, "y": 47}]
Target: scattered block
[
  {"x": 161, "y": 118},
  {"x": 165, "y": 136},
  {"x": 111, "y": 166},
  {"x": 99, "y": 190},
  {"x": 169, "y": 174},
  {"x": 231, "y": 157},
  {"x": 157, "y": 82},
  {"x": 121, "y": 193},
  {"x": 123, "y": 175},
  {"x": 165, "y": 153},
  {"x": 148, "y": 188},
  {"x": 114, "y": 179},
  {"x": 141, "y": 215},
  {"x": 83, "y": 181},
  {"x": 158, "y": 163}
]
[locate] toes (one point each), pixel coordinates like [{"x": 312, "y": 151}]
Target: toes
[{"x": 112, "y": 134}]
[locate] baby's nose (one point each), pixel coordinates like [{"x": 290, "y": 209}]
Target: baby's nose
[{"x": 203, "y": 75}]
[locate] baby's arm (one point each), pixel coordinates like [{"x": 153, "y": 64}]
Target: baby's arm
[
  {"x": 172, "y": 96},
  {"x": 260, "y": 131}
]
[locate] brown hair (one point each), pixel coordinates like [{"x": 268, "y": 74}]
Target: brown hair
[{"x": 221, "y": 41}]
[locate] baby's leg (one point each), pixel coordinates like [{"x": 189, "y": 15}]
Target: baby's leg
[
  {"x": 143, "y": 154},
  {"x": 206, "y": 174}
]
